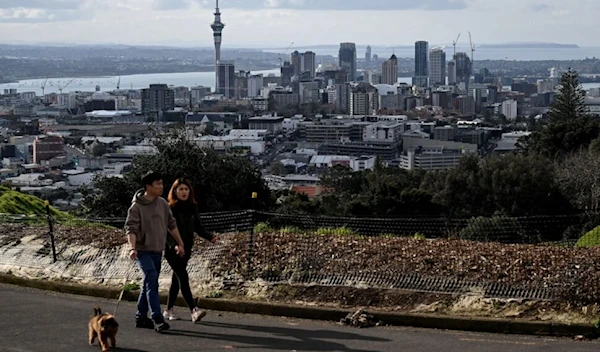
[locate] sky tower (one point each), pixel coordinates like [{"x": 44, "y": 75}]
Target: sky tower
[{"x": 217, "y": 27}]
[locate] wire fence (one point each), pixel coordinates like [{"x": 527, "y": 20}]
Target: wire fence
[{"x": 527, "y": 257}]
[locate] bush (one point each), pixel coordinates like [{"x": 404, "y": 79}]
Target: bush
[
  {"x": 262, "y": 227},
  {"x": 339, "y": 231},
  {"x": 590, "y": 239},
  {"x": 494, "y": 229}
]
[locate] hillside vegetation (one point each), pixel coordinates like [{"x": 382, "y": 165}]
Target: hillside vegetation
[{"x": 17, "y": 203}]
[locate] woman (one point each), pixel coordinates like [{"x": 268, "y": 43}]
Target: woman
[{"x": 183, "y": 204}]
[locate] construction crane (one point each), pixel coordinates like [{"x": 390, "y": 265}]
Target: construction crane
[
  {"x": 472, "y": 51},
  {"x": 60, "y": 89},
  {"x": 119, "y": 83},
  {"x": 454, "y": 45},
  {"x": 44, "y": 87},
  {"x": 281, "y": 56}
]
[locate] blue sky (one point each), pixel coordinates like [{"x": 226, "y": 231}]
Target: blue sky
[{"x": 252, "y": 23}]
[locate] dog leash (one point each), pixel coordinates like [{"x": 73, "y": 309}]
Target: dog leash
[{"x": 123, "y": 289}]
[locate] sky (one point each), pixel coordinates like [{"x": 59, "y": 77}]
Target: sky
[{"x": 277, "y": 23}]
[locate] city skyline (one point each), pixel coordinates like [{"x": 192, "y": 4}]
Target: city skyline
[{"x": 275, "y": 23}]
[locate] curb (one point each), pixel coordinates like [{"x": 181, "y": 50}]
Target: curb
[{"x": 429, "y": 321}]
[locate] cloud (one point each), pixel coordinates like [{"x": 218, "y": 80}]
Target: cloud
[
  {"x": 541, "y": 7},
  {"x": 381, "y": 5},
  {"x": 171, "y": 4},
  {"x": 41, "y": 4},
  {"x": 336, "y": 5}
]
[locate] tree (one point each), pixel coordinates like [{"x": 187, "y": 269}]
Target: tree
[
  {"x": 221, "y": 182},
  {"x": 570, "y": 129},
  {"x": 110, "y": 197},
  {"x": 570, "y": 103},
  {"x": 579, "y": 178},
  {"x": 99, "y": 149}
]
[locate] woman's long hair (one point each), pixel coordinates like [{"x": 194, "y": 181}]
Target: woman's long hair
[{"x": 172, "y": 198}]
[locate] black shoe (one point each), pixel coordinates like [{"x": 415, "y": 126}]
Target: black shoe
[
  {"x": 144, "y": 323},
  {"x": 160, "y": 325}
]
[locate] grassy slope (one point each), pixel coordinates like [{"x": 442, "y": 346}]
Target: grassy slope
[{"x": 13, "y": 202}]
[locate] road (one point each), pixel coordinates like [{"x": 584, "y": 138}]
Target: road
[{"x": 35, "y": 320}]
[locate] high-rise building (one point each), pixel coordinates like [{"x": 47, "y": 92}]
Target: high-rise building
[
  {"x": 157, "y": 99},
  {"x": 309, "y": 63},
  {"x": 452, "y": 72},
  {"x": 287, "y": 71},
  {"x": 364, "y": 100},
  {"x": 255, "y": 83},
  {"x": 389, "y": 71},
  {"x": 368, "y": 55},
  {"x": 421, "y": 64},
  {"x": 437, "y": 74},
  {"x": 217, "y": 27},
  {"x": 226, "y": 74},
  {"x": 347, "y": 60},
  {"x": 463, "y": 68},
  {"x": 296, "y": 61}
]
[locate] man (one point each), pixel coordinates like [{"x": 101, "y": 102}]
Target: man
[{"x": 148, "y": 220}]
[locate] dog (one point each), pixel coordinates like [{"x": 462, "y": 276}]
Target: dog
[{"x": 104, "y": 327}]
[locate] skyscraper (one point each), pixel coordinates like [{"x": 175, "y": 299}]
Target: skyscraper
[
  {"x": 463, "y": 68},
  {"x": 437, "y": 74},
  {"x": 368, "y": 54},
  {"x": 226, "y": 74},
  {"x": 347, "y": 60},
  {"x": 309, "y": 63},
  {"x": 217, "y": 27},
  {"x": 296, "y": 60},
  {"x": 421, "y": 64},
  {"x": 389, "y": 71}
]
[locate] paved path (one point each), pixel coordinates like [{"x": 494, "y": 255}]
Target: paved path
[{"x": 35, "y": 320}]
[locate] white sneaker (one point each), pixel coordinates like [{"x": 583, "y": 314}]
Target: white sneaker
[
  {"x": 170, "y": 315},
  {"x": 197, "y": 314}
]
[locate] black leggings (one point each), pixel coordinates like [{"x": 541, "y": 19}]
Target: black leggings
[{"x": 180, "y": 279}]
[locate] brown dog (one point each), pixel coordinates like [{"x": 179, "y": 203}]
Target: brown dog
[{"x": 104, "y": 326}]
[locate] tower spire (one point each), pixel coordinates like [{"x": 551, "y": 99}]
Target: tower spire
[{"x": 217, "y": 27}]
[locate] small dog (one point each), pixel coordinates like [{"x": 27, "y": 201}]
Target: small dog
[{"x": 104, "y": 327}]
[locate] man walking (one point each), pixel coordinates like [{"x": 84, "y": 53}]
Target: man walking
[{"x": 148, "y": 220}]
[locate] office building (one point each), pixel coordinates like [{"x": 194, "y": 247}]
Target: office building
[
  {"x": 389, "y": 71},
  {"x": 421, "y": 64},
  {"x": 437, "y": 74},
  {"x": 347, "y": 60}
]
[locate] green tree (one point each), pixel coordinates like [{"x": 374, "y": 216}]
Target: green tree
[
  {"x": 110, "y": 197},
  {"x": 221, "y": 182},
  {"x": 570, "y": 129},
  {"x": 570, "y": 103}
]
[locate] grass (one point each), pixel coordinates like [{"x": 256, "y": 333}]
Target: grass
[
  {"x": 17, "y": 207},
  {"x": 17, "y": 203}
]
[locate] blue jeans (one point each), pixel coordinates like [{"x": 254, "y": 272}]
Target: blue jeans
[{"x": 149, "y": 263}]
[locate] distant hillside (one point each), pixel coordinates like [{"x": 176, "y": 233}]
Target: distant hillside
[{"x": 13, "y": 202}]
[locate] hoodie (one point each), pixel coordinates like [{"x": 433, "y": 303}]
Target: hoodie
[{"x": 149, "y": 221}]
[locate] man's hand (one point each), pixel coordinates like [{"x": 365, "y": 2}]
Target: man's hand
[
  {"x": 133, "y": 254},
  {"x": 180, "y": 250}
]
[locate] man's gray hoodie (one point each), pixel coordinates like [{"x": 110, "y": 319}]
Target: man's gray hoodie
[{"x": 149, "y": 221}]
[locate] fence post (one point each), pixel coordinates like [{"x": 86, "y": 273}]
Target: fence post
[
  {"x": 51, "y": 230},
  {"x": 249, "y": 268}
]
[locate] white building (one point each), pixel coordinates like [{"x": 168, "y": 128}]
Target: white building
[
  {"x": 509, "y": 109},
  {"x": 253, "y": 134},
  {"x": 431, "y": 158},
  {"x": 437, "y": 69},
  {"x": 255, "y": 84},
  {"x": 383, "y": 131}
]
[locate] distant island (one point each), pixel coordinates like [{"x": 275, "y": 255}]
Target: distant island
[{"x": 530, "y": 46}]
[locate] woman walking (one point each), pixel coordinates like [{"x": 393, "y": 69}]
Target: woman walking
[{"x": 183, "y": 204}]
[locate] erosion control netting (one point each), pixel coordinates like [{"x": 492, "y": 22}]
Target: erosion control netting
[{"x": 423, "y": 255}]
